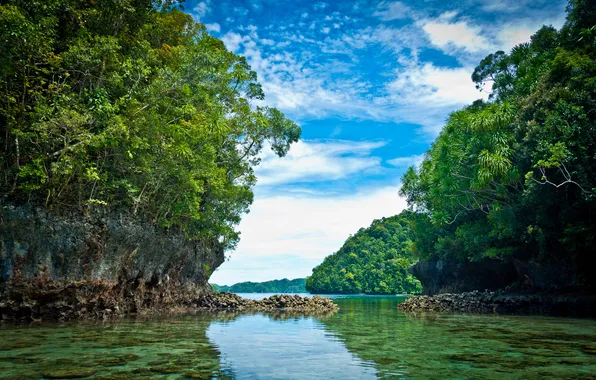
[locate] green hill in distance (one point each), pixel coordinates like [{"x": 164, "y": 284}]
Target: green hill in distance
[
  {"x": 297, "y": 285},
  {"x": 373, "y": 261}
]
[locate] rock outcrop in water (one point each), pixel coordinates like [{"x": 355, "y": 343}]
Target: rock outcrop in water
[
  {"x": 285, "y": 302},
  {"x": 502, "y": 302},
  {"x": 103, "y": 265},
  {"x": 69, "y": 265}
]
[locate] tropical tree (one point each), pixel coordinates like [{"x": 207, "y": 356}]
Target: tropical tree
[{"x": 130, "y": 105}]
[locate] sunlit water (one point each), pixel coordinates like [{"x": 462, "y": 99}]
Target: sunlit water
[{"x": 368, "y": 338}]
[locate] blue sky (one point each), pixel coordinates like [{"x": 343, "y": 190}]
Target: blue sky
[{"x": 371, "y": 83}]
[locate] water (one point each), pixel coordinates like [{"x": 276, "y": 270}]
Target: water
[{"x": 368, "y": 338}]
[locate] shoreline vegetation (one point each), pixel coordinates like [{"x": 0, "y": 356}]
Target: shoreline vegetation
[
  {"x": 375, "y": 260},
  {"x": 283, "y": 286},
  {"x": 505, "y": 197},
  {"x": 129, "y": 152},
  {"x": 129, "y": 143}
]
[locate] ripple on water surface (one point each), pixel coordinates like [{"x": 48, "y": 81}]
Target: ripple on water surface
[{"x": 367, "y": 338}]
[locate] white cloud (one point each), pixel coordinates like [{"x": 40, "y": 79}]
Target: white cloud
[
  {"x": 201, "y": 9},
  {"x": 241, "y": 11},
  {"x": 289, "y": 229},
  {"x": 233, "y": 41},
  {"x": 448, "y": 35},
  {"x": 293, "y": 233},
  {"x": 403, "y": 162},
  {"x": 392, "y": 11},
  {"x": 510, "y": 35},
  {"x": 306, "y": 84},
  {"x": 313, "y": 161},
  {"x": 504, "y": 6},
  {"x": 434, "y": 87},
  {"x": 320, "y": 6},
  {"x": 215, "y": 27}
]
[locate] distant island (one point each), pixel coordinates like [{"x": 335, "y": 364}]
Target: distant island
[
  {"x": 297, "y": 285},
  {"x": 375, "y": 260}
]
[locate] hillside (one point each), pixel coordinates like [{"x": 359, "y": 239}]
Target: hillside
[
  {"x": 513, "y": 180},
  {"x": 373, "y": 261},
  {"x": 297, "y": 285},
  {"x": 128, "y": 155}
]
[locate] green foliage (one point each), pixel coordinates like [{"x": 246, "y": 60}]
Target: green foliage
[
  {"x": 516, "y": 178},
  {"x": 131, "y": 105},
  {"x": 297, "y": 285},
  {"x": 373, "y": 261}
]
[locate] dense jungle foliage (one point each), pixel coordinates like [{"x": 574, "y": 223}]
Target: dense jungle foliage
[
  {"x": 373, "y": 261},
  {"x": 130, "y": 105},
  {"x": 515, "y": 178},
  {"x": 297, "y": 285}
]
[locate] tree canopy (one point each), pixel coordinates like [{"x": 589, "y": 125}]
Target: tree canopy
[
  {"x": 130, "y": 105},
  {"x": 275, "y": 286},
  {"x": 515, "y": 178},
  {"x": 373, "y": 261}
]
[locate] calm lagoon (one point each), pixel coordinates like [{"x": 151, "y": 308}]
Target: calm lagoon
[{"x": 368, "y": 338}]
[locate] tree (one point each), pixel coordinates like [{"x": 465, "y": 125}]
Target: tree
[
  {"x": 130, "y": 105},
  {"x": 514, "y": 178},
  {"x": 373, "y": 261}
]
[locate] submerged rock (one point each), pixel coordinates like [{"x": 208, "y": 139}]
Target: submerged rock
[
  {"x": 502, "y": 302},
  {"x": 68, "y": 373}
]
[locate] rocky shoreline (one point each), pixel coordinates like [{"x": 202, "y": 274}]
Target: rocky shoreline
[
  {"x": 504, "y": 303},
  {"x": 103, "y": 264},
  {"x": 277, "y": 302},
  {"x": 30, "y": 302}
]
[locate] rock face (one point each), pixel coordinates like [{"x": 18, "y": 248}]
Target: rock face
[
  {"x": 62, "y": 266},
  {"x": 554, "y": 275},
  {"x": 502, "y": 302},
  {"x": 451, "y": 276}
]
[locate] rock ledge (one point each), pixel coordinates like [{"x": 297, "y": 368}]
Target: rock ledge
[
  {"x": 502, "y": 302},
  {"x": 285, "y": 302}
]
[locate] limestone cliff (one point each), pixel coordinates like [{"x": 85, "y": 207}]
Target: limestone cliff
[
  {"x": 451, "y": 276},
  {"x": 68, "y": 265},
  {"x": 554, "y": 275}
]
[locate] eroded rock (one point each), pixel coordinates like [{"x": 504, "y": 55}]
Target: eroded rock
[{"x": 502, "y": 302}]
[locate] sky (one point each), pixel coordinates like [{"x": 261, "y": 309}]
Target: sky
[{"x": 371, "y": 84}]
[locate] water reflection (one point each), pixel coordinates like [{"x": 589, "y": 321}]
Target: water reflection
[
  {"x": 367, "y": 338},
  {"x": 259, "y": 347},
  {"x": 437, "y": 346}
]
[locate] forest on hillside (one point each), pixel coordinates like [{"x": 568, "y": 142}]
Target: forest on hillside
[
  {"x": 373, "y": 261},
  {"x": 514, "y": 178},
  {"x": 130, "y": 106},
  {"x": 297, "y": 285}
]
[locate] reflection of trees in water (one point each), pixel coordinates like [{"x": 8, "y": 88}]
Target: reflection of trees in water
[
  {"x": 436, "y": 345},
  {"x": 368, "y": 328}
]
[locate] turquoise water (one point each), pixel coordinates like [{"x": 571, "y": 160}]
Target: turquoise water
[{"x": 368, "y": 338}]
